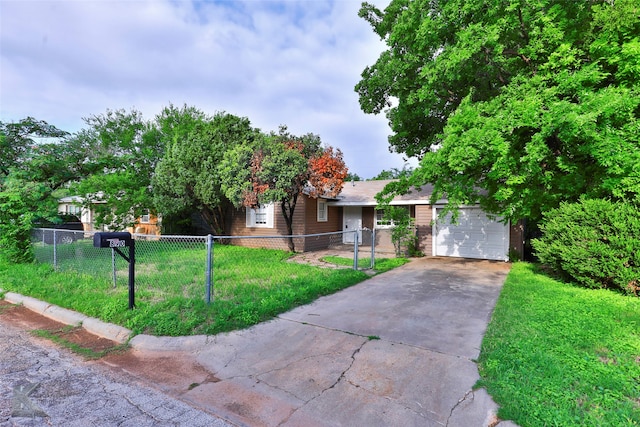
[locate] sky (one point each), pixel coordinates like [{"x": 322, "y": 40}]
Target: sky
[{"x": 292, "y": 63}]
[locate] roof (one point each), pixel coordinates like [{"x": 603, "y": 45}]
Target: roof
[
  {"x": 71, "y": 199},
  {"x": 79, "y": 200},
  {"x": 362, "y": 193}
]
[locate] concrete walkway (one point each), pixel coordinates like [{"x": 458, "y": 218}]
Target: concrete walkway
[{"x": 397, "y": 349}]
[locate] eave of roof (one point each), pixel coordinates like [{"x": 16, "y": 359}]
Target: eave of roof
[{"x": 362, "y": 193}]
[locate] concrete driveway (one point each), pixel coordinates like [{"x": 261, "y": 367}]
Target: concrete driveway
[{"x": 395, "y": 350}]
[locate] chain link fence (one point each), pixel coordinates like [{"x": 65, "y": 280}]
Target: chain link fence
[{"x": 192, "y": 266}]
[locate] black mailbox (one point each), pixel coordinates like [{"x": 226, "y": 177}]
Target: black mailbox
[{"x": 121, "y": 239}]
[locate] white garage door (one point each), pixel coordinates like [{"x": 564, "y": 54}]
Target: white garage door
[{"x": 473, "y": 236}]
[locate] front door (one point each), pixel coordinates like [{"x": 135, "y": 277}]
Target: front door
[{"x": 352, "y": 220}]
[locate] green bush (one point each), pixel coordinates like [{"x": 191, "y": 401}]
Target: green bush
[
  {"x": 403, "y": 234},
  {"x": 595, "y": 243}
]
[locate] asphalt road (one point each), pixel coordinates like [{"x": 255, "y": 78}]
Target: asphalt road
[{"x": 44, "y": 385}]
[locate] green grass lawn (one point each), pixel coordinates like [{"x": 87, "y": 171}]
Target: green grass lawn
[
  {"x": 249, "y": 286},
  {"x": 559, "y": 355}
]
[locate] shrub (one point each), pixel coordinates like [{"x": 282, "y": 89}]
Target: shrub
[
  {"x": 15, "y": 228},
  {"x": 403, "y": 233},
  {"x": 595, "y": 243}
]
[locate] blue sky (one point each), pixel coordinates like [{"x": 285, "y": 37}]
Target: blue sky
[{"x": 275, "y": 62}]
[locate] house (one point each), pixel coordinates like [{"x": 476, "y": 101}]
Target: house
[
  {"x": 311, "y": 216},
  {"x": 475, "y": 235},
  {"x": 73, "y": 205}
]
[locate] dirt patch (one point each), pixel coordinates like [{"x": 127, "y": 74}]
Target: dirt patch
[
  {"x": 174, "y": 372},
  {"x": 31, "y": 321},
  {"x": 315, "y": 258}
]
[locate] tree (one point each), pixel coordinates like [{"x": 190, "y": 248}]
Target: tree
[
  {"x": 352, "y": 177},
  {"x": 21, "y": 203},
  {"x": 516, "y": 105},
  {"x": 18, "y": 139},
  {"x": 188, "y": 178},
  {"x": 30, "y": 172},
  {"x": 279, "y": 168},
  {"x": 126, "y": 149},
  {"x": 394, "y": 173}
]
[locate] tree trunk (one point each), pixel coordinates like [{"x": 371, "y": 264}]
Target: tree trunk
[{"x": 288, "y": 207}]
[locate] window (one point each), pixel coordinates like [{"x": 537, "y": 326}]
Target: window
[
  {"x": 145, "y": 218},
  {"x": 322, "y": 211},
  {"x": 382, "y": 222},
  {"x": 262, "y": 216},
  {"x": 70, "y": 210}
]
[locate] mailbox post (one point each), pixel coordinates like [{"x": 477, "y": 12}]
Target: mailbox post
[{"x": 116, "y": 241}]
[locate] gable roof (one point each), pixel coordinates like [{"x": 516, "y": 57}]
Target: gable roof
[{"x": 362, "y": 193}]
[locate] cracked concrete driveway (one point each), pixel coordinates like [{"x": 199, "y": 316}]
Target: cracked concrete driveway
[{"x": 397, "y": 349}]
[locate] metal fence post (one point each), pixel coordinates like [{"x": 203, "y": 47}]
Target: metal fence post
[
  {"x": 208, "y": 273},
  {"x": 355, "y": 249},
  {"x": 55, "y": 251},
  {"x": 132, "y": 274},
  {"x": 113, "y": 267},
  {"x": 373, "y": 248}
]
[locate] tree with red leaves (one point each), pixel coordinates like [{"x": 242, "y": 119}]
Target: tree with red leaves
[{"x": 279, "y": 168}]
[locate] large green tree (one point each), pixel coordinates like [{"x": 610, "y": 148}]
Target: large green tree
[
  {"x": 32, "y": 168},
  {"x": 126, "y": 149},
  {"x": 516, "y": 104},
  {"x": 280, "y": 168},
  {"x": 393, "y": 173},
  {"x": 188, "y": 178},
  {"x": 18, "y": 140}
]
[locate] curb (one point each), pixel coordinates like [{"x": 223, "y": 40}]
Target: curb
[
  {"x": 95, "y": 326},
  {"x": 184, "y": 343}
]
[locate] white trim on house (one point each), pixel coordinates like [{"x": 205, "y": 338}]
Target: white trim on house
[
  {"x": 261, "y": 217},
  {"x": 379, "y": 222},
  {"x": 322, "y": 211}
]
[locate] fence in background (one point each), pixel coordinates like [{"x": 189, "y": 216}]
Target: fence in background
[{"x": 189, "y": 266}]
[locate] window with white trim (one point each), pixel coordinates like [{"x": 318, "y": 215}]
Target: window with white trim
[
  {"x": 71, "y": 210},
  {"x": 323, "y": 211},
  {"x": 382, "y": 222},
  {"x": 262, "y": 216},
  {"x": 145, "y": 218}
]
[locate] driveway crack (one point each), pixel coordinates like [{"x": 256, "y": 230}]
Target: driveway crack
[
  {"x": 335, "y": 383},
  {"x": 464, "y": 398},
  {"x": 342, "y": 375}
]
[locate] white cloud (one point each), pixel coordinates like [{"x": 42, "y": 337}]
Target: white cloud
[{"x": 275, "y": 62}]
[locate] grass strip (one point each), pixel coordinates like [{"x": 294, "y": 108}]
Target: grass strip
[
  {"x": 250, "y": 286},
  {"x": 559, "y": 355},
  {"x": 57, "y": 336}
]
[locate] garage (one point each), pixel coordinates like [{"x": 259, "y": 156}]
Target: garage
[{"x": 475, "y": 235}]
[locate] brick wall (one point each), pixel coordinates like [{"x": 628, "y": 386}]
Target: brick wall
[
  {"x": 305, "y": 221},
  {"x": 312, "y": 226}
]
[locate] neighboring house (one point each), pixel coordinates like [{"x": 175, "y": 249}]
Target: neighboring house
[
  {"x": 475, "y": 235},
  {"x": 73, "y": 205}
]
